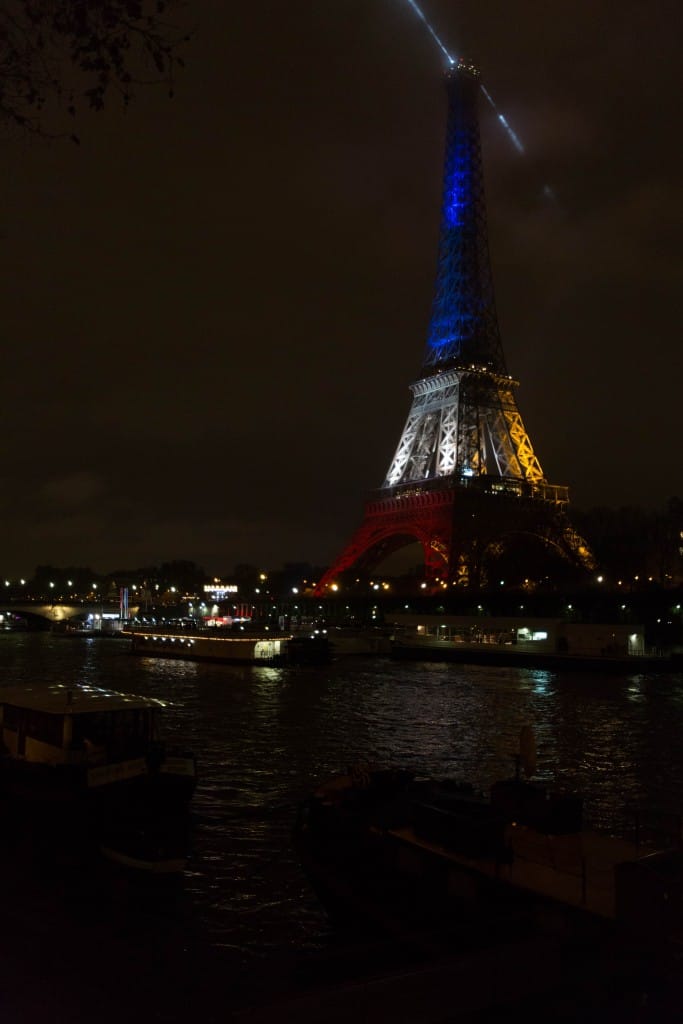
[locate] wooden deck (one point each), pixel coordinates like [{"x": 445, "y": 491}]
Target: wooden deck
[{"x": 575, "y": 870}]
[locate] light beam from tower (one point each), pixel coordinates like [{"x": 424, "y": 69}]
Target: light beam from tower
[
  {"x": 452, "y": 61},
  {"x": 421, "y": 16}
]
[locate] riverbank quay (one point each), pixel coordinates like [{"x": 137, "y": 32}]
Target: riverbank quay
[
  {"x": 530, "y": 980},
  {"x": 84, "y": 947},
  {"x": 504, "y": 658},
  {"x": 529, "y": 642}
]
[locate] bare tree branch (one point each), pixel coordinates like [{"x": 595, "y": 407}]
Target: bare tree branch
[{"x": 59, "y": 55}]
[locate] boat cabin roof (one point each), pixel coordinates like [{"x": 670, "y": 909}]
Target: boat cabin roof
[{"x": 60, "y": 699}]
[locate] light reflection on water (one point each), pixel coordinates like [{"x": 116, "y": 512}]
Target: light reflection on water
[{"x": 264, "y": 736}]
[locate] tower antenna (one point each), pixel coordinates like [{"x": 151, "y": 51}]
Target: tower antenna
[{"x": 512, "y": 134}]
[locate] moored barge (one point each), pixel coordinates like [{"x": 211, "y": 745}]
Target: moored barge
[
  {"x": 242, "y": 646},
  {"x": 76, "y": 744},
  {"x": 399, "y": 853}
]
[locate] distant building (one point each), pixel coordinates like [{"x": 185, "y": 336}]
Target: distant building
[{"x": 525, "y": 633}]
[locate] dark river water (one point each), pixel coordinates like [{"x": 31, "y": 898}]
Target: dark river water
[{"x": 264, "y": 736}]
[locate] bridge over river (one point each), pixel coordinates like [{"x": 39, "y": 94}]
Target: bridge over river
[{"x": 57, "y": 612}]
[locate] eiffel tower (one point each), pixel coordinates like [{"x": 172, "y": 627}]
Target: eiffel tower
[{"x": 465, "y": 481}]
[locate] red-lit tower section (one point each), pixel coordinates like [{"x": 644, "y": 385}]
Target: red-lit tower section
[{"x": 464, "y": 480}]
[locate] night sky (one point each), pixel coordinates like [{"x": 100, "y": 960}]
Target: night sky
[{"x": 213, "y": 307}]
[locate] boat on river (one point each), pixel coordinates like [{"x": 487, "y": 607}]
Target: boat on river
[
  {"x": 409, "y": 855},
  {"x": 253, "y": 645},
  {"x": 85, "y": 746}
]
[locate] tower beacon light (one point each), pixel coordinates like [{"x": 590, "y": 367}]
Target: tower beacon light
[{"x": 468, "y": 66}]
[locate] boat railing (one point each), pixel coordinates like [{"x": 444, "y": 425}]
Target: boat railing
[{"x": 183, "y": 629}]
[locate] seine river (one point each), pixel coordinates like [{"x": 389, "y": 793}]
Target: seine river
[{"x": 263, "y": 736}]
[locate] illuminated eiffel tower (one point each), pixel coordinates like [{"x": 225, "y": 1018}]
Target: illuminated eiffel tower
[{"x": 465, "y": 481}]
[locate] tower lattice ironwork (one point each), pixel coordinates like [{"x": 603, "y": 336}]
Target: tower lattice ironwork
[{"x": 465, "y": 479}]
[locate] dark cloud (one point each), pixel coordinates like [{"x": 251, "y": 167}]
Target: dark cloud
[{"x": 214, "y": 306}]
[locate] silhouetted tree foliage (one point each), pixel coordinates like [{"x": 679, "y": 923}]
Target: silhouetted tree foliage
[
  {"x": 525, "y": 558},
  {"x": 69, "y": 53},
  {"x": 82, "y": 578},
  {"x": 186, "y": 576},
  {"x": 245, "y": 576},
  {"x": 629, "y": 542}
]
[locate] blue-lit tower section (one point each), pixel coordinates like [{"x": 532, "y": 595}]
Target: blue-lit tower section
[{"x": 463, "y": 329}]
